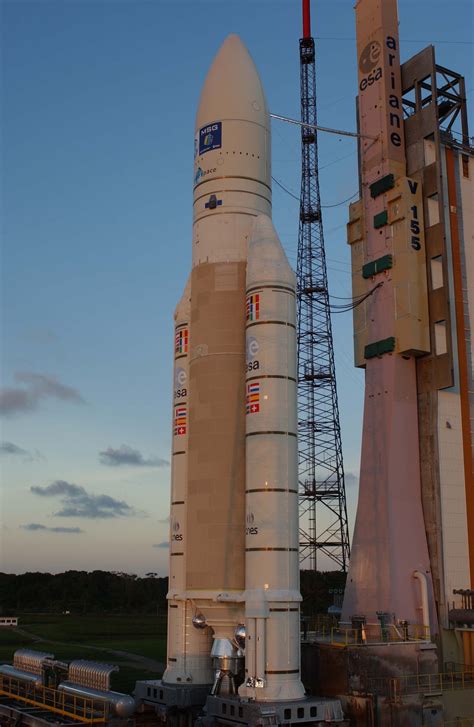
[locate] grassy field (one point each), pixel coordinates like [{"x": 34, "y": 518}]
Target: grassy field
[{"x": 71, "y": 637}]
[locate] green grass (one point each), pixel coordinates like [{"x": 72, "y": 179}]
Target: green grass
[
  {"x": 89, "y": 628},
  {"x": 142, "y": 635},
  {"x": 152, "y": 648}
]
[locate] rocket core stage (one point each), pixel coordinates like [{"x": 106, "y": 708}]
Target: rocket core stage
[{"x": 234, "y": 576}]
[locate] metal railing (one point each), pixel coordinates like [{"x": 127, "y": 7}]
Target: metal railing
[
  {"x": 411, "y": 684},
  {"x": 81, "y": 709},
  {"x": 367, "y": 634}
]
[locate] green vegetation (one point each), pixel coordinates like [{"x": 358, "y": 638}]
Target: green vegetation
[{"x": 83, "y": 593}]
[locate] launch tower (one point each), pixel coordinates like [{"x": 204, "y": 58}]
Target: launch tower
[
  {"x": 407, "y": 627},
  {"x": 323, "y": 514}
]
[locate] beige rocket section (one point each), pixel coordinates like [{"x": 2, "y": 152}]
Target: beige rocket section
[
  {"x": 216, "y": 480},
  {"x": 232, "y": 184}
]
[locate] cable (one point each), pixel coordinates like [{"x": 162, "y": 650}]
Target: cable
[
  {"x": 358, "y": 301},
  {"x": 323, "y": 206},
  {"x": 285, "y": 189},
  {"x": 327, "y": 206},
  {"x": 346, "y": 307},
  {"x": 334, "y": 161}
]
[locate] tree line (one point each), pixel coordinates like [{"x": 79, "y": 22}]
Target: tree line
[{"x": 82, "y": 592}]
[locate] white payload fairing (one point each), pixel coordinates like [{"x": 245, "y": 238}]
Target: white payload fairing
[{"x": 234, "y": 573}]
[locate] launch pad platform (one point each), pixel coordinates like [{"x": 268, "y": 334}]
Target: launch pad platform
[
  {"x": 389, "y": 683},
  {"x": 193, "y": 705}
]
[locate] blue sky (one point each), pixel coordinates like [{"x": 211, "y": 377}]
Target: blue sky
[{"x": 98, "y": 102}]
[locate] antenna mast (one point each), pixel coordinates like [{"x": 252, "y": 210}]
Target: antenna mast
[{"x": 322, "y": 496}]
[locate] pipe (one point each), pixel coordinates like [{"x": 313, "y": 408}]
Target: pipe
[
  {"x": 260, "y": 650},
  {"x": 250, "y": 649},
  {"x": 23, "y": 676},
  {"x": 123, "y": 705},
  {"x": 316, "y": 127},
  {"x": 421, "y": 577}
]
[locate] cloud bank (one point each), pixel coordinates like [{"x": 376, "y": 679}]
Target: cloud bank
[
  {"x": 351, "y": 479},
  {"x": 36, "y": 388},
  {"x": 33, "y": 527},
  {"x": 77, "y": 502},
  {"x": 128, "y": 456}
]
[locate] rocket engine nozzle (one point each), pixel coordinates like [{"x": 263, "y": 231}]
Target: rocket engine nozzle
[{"x": 228, "y": 661}]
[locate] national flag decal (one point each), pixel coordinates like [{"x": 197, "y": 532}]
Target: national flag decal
[
  {"x": 180, "y": 420},
  {"x": 181, "y": 341},
  {"x": 253, "y": 307},
  {"x": 253, "y": 398}
]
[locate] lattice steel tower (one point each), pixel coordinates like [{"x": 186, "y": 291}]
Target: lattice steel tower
[{"x": 323, "y": 513}]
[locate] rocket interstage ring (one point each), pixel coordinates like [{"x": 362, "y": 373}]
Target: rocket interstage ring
[
  {"x": 272, "y": 489},
  {"x": 271, "y": 550},
  {"x": 272, "y": 431},
  {"x": 215, "y": 198},
  {"x": 219, "y": 190},
  {"x": 232, "y": 184},
  {"x": 277, "y": 323}
]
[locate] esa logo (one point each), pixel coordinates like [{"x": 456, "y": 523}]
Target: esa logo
[
  {"x": 251, "y": 529},
  {"x": 180, "y": 383},
  {"x": 370, "y": 64},
  {"x": 176, "y": 535},
  {"x": 253, "y": 347},
  {"x": 200, "y": 173},
  {"x": 369, "y": 58}
]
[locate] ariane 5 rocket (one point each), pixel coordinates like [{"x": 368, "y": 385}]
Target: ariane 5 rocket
[{"x": 234, "y": 575}]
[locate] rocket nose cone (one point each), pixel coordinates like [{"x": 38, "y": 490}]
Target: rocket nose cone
[
  {"x": 267, "y": 261},
  {"x": 183, "y": 308},
  {"x": 264, "y": 229},
  {"x": 232, "y": 89}
]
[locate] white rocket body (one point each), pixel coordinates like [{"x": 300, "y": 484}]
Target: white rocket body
[
  {"x": 234, "y": 513},
  {"x": 188, "y": 648}
]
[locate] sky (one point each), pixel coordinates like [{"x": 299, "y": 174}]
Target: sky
[{"x": 97, "y": 102}]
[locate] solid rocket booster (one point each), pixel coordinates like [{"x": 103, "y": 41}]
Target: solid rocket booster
[
  {"x": 272, "y": 562},
  {"x": 234, "y": 520},
  {"x": 188, "y": 648}
]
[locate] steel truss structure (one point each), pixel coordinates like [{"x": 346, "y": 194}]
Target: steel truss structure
[{"x": 322, "y": 499}]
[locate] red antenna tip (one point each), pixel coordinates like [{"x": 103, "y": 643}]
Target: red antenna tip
[{"x": 306, "y": 19}]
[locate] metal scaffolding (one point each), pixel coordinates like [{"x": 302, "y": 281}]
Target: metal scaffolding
[{"x": 322, "y": 498}]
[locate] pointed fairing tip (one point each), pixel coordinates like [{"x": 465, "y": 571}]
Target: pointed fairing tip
[
  {"x": 183, "y": 308},
  {"x": 267, "y": 261},
  {"x": 232, "y": 89}
]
